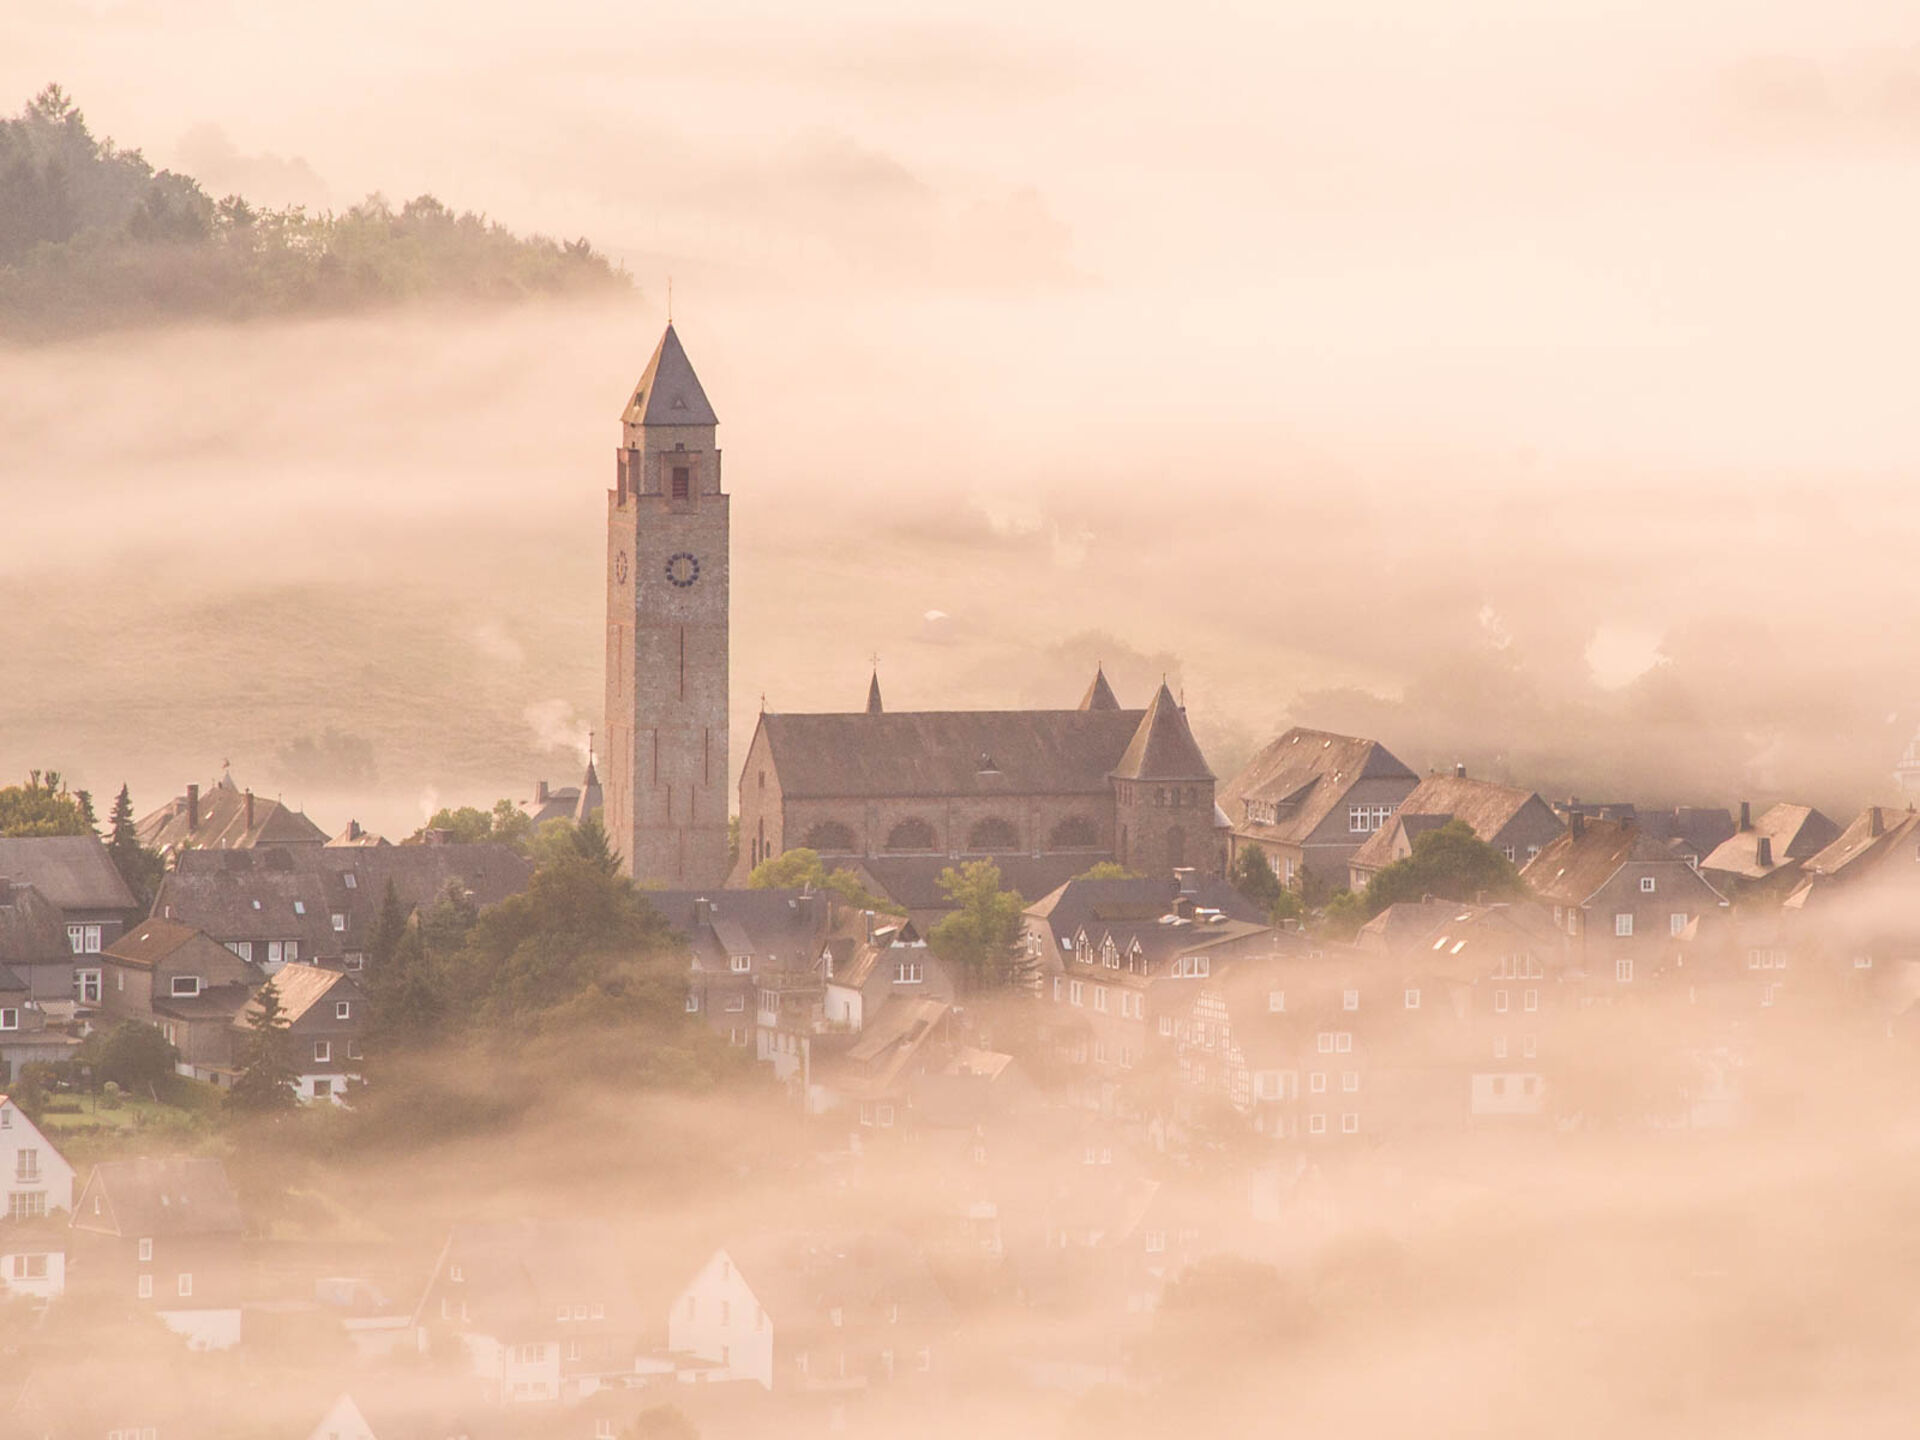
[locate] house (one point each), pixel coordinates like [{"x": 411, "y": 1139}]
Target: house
[
  {"x": 166, "y": 1236},
  {"x": 892, "y": 959},
  {"x": 813, "y": 1313},
  {"x": 1517, "y": 823},
  {"x": 1084, "y": 785},
  {"x": 1630, "y": 904},
  {"x": 326, "y": 1014},
  {"x": 34, "y": 946},
  {"x": 224, "y": 817},
  {"x": 78, "y": 876},
  {"x": 539, "y": 1310},
  {"x": 1762, "y": 860},
  {"x": 1309, "y": 800},
  {"x": 26, "y": 1035},
  {"x": 575, "y": 803},
  {"x": 36, "y": 1200},
  {"x": 179, "y": 979},
  {"x": 1856, "y": 909},
  {"x": 1111, "y": 955},
  {"x": 872, "y": 1074},
  {"x": 320, "y": 903},
  {"x": 737, "y": 941}
]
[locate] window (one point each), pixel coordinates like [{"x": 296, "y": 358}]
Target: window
[
  {"x": 146, "y": 1251},
  {"x": 1100, "y": 998},
  {"x": 693, "y": 1003},
  {"x": 1075, "y": 992},
  {"x": 293, "y": 952},
  {"x": 1623, "y": 970},
  {"x": 26, "y": 1165},
  {"x": 1343, "y": 1042},
  {"x": 29, "y": 1267},
  {"x": 738, "y": 1035},
  {"x": 1646, "y": 885},
  {"x": 146, "y": 1287},
  {"x": 242, "y": 948},
  {"x": 1192, "y": 967},
  {"x": 1350, "y": 1081},
  {"x": 1863, "y": 962},
  {"x": 1530, "y": 1046},
  {"x": 1316, "y": 1124},
  {"x": 1350, "y": 1000},
  {"x": 741, "y": 964},
  {"x": 1317, "y": 1082},
  {"x": 1623, "y": 924},
  {"x": 835, "y": 1317},
  {"x": 185, "y": 985},
  {"x": 86, "y": 986},
  {"x": 28, "y": 1205},
  {"x": 353, "y": 881},
  {"x": 83, "y": 939},
  {"x": 1365, "y": 819},
  {"x": 1166, "y": 1025},
  {"x": 299, "y": 907},
  {"x": 1500, "y": 1048},
  {"x": 1507, "y": 851},
  {"x": 1349, "y": 1124},
  {"x": 907, "y": 972},
  {"x": 682, "y": 482},
  {"x": 9, "y": 1018},
  {"x": 1676, "y": 923},
  {"x": 339, "y": 923},
  {"x": 322, "y": 1051},
  {"x": 1413, "y": 999},
  {"x": 1531, "y": 1000},
  {"x": 1324, "y": 1042},
  {"x": 1276, "y": 1001}
]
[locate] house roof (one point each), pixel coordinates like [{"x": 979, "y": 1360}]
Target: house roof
[
  {"x": 153, "y": 941},
  {"x": 798, "y": 1277},
  {"x": 224, "y": 810},
  {"x": 181, "y": 1195},
  {"x": 1874, "y": 836},
  {"x": 216, "y": 1002},
  {"x": 669, "y": 393},
  {"x": 913, "y": 881},
  {"x": 1306, "y": 773},
  {"x": 939, "y": 753},
  {"x": 1796, "y": 832},
  {"x": 1099, "y": 694},
  {"x": 1138, "y": 898},
  {"x": 515, "y": 1273},
  {"x": 1163, "y": 747},
  {"x": 10, "y": 982},
  {"x": 33, "y": 931},
  {"x": 75, "y": 872},
  {"x": 1573, "y": 867},
  {"x": 1486, "y": 807},
  {"x": 301, "y": 987},
  {"x": 785, "y": 929}
]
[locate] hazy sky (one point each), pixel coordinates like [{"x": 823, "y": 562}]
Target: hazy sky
[{"x": 1579, "y": 332}]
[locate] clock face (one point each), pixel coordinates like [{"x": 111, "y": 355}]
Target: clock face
[
  {"x": 620, "y": 567},
  {"x": 682, "y": 570}
]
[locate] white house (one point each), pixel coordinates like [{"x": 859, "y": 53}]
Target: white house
[
  {"x": 718, "y": 1318},
  {"x": 36, "y": 1185},
  {"x": 343, "y": 1422}
]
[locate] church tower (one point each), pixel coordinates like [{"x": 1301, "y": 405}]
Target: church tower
[{"x": 667, "y": 546}]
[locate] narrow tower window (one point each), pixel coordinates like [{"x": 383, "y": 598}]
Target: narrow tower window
[
  {"x": 682, "y": 481},
  {"x": 683, "y": 662}
]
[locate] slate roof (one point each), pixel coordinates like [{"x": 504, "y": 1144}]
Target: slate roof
[
  {"x": 32, "y": 929},
  {"x": 153, "y": 941},
  {"x": 301, "y": 987},
  {"x": 669, "y": 393},
  {"x": 913, "y": 881},
  {"x": 800, "y": 1277},
  {"x": 73, "y": 871},
  {"x": 1875, "y": 835},
  {"x": 1797, "y": 832},
  {"x": 216, "y": 890},
  {"x": 1307, "y": 773},
  {"x": 223, "y": 822},
  {"x": 1099, "y": 694},
  {"x": 1163, "y": 747},
  {"x": 1486, "y": 807},
  {"x": 1141, "y": 898},
  {"x": 182, "y": 1195},
  {"x": 782, "y": 929},
  {"x": 1574, "y": 867},
  {"x": 10, "y": 982},
  {"x": 961, "y": 753},
  {"x": 514, "y": 1275}
]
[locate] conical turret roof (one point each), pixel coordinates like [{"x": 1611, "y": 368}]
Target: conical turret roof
[
  {"x": 1163, "y": 747},
  {"x": 874, "y": 707},
  {"x": 669, "y": 392},
  {"x": 1100, "y": 694}
]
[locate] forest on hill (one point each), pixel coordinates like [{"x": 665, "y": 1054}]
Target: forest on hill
[{"x": 92, "y": 238}]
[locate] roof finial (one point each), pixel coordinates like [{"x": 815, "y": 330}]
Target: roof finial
[{"x": 669, "y": 299}]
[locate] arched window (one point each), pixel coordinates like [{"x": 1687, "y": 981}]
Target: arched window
[
  {"x": 1176, "y": 846},
  {"x": 912, "y": 834},
  {"x": 993, "y": 833},
  {"x": 1076, "y": 832},
  {"x": 830, "y": 837}
]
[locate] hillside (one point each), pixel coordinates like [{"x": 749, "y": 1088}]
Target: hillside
[{"x": 93, "y": 238}]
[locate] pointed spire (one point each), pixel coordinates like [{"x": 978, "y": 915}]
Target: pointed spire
[
  {"x": 669, "y": 392},
  {"x": 1163, "y": 748},
  {"x": 591, "y": 797},
  {"x": 874, "y": 706},
  {"x": 1099, "y": 694}
]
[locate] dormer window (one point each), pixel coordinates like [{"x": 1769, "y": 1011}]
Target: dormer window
[
  {"x": 185, "y": 987},
  {"x": 741, "y": 964},
  {"x": 299, "y": 907}
]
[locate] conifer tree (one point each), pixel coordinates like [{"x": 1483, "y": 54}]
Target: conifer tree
[
  {"x": 268, "y": 1080},
  {"x": 140, "y": 867}
]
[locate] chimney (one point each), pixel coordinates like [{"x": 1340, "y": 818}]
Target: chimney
[
  {"x": 1746, "y": 816},
  {"x": 1763, "y": 852},
  {"x": 193, "y": 807},
  {"x": 440, "y": 836},
  {"x": 539, "y": 792},
  {"x": 1577, "y": 823},
  {"x": 1876, "y": 822},
  {"x": 249, "y": 809},
  {"x": 1459, "y": 772},
  {"x": 1187, "y": 878},
  {"x": 700, "y": 908}
]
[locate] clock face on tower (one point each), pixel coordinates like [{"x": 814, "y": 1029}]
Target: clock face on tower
[
  {"x": 682, "y": 570},
  {"x": 620, "y": 567}
]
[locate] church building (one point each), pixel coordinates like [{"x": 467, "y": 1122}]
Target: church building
[{"x": 1071, "y": 786}]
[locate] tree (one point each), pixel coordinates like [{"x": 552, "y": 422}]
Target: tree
[
  {"x": 388, "y": 927},
  {"x": 42, "y": 806},
  {"x": 1253, "y": 877},
  {"x": 1450, "y": 863},
  {"x": 983, "y": 934},
  {"x": 505, "y": 824},
  {"x": 407, "y": 993},
  {"x": 268, "y": 1079},
  {"x": 662, "y": 1422},
  {"x": 140, "y": 867},
  {"x": 133, "y": 1055},
  {"x": 1108, "y": 870},
  {"x": 803, "y": 869}
]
